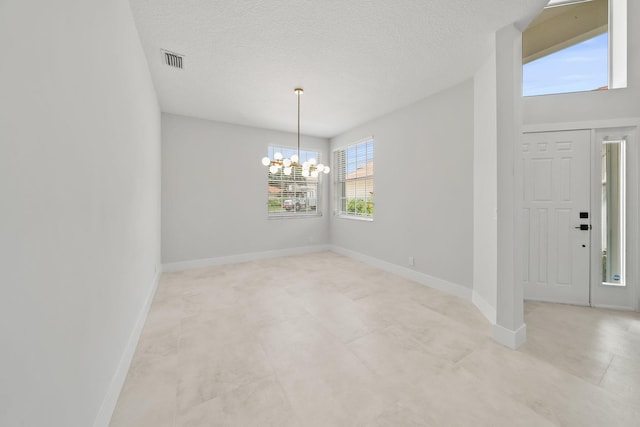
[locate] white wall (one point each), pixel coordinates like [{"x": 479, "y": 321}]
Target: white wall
[
  {"x": 593, "y": 106},
  {"x": 485, "y": 188},
  {"x": 509, "y": 329},
  {"x": 214, "y": 192},
  {"x": 423, "y": 188},
  {"x": 80, "y": 202}
]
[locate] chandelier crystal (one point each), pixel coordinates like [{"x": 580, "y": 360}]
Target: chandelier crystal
[{"x": 308, "y": 168}]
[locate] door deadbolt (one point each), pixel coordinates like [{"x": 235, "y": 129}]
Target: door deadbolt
[{"x": 584, "y": 227}]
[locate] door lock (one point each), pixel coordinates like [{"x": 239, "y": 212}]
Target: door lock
[{"x": 584, "y": 227}]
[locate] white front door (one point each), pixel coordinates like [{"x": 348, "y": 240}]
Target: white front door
[{"x": 556, "y": 217}]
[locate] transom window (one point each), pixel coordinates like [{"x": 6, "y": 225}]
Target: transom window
[
  {"x": 293, "y": 195},
  {"x": 354, "y": 180},
  {"x": 575, "y": 46}
]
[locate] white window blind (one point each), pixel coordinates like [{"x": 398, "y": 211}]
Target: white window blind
[
  {"x": 354, "y": 177},
  {"x": 292, "y": 195}
]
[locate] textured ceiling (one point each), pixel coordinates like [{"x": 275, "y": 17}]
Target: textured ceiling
[{"x": 356, "y": 59}]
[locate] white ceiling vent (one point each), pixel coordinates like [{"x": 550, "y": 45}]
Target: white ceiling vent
[{"x": 172, "y": 59}]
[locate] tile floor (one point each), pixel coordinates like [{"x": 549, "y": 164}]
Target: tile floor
[{"x": 323, "y": 340}]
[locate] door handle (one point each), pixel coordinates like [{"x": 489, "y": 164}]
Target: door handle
[{"x": 584, "y": 227}]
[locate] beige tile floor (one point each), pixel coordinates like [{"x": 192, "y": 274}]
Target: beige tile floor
[{"x": 323, "y": 340}]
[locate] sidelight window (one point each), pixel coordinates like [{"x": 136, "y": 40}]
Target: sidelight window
[{"x": 613, "y": 213}]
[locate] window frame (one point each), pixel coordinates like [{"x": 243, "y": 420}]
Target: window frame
[
  {"x": 340, "y": 180},
  {"x": 617, "y": 54},
  {"x": 621, "y": 219},
  {"x": 305, "y": 154}
]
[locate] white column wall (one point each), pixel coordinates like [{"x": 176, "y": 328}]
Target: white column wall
[
  {"x": 485, "y": 189},
  {"x": 510, "y": 329}
]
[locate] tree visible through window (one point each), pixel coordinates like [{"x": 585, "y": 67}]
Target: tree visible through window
[
  {"x": 294, "y": 194},
  {"x": 354, "y": 166}
]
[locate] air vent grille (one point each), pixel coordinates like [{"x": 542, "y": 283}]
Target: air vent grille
[{"x": 173, "y": 59}]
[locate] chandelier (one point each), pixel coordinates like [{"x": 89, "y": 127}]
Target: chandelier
[{"x": 288, "y": 165}]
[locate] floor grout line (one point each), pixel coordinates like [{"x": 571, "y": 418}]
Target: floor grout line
[
  {"x": 463, "y": 347},
  {"x": 606, "y": 370}
]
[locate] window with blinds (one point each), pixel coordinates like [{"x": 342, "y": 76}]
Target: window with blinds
[
  {"x": 292, "y": 195},
  {"x": 354, "y": 176}
]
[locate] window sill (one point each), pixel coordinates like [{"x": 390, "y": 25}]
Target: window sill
[
  {"x": 355, "y": 218},
  {"x": 295, "y": 216},
  {"x": 613, "y": 285}
]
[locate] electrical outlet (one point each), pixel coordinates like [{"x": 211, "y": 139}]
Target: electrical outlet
[{"x": 412, "y": 261}]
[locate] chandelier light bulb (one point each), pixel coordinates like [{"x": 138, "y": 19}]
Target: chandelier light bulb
[
  {"x": 287, "y": 162},
  {"x": 312, "y": 161},
  {"x": 277, "y": 156},
  {"x": 326, "y": 169},
  {"x": 305, "y": 165},
  {"x": 314, "y": 174},
  {"x": 305, "y": 173},
  {"x": 273, "y": 169},
  {"x": 294, "y": 158},
  {"x": 287, "y": 170},
  {"x": 266, "y": 161},
  {"x": 320, "y": 167}
]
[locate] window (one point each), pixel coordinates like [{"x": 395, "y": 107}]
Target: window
[
  {"x": 575, "y": 46},
  {"x": 293, "y": 195},
  {"x": 613, "y": 213},
  {"x": 354, "y": 175}
]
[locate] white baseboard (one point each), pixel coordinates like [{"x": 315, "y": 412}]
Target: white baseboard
[
  {"x": 233, "y": 259},
  {"x": 577, "y": 303},
  {"x": 113, "y": 392},
  {"x": 613, "y": 307},
  {"x": 509, "y": 338},
  {"x": 422, "y": 278},
  {"x": 485, "y": 308}
]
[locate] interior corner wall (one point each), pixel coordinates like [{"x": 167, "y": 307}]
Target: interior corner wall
[
  {"x": 598, "y": 106},
  {"x": 214, "y": 192},
  {"x": 423, "y": 188},
  {"x": 80, "y": 186},
  {"x": 485, "y": 187}
]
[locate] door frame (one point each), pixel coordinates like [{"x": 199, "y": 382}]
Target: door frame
[{"x": 597, "y": 128}]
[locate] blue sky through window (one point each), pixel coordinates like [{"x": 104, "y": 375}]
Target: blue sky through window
[
  {"x": 357, "y": 155},
  {"x": 578, "y": 68}
]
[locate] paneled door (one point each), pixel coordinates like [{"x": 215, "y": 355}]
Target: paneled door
[{"x": 555, "y": 217}]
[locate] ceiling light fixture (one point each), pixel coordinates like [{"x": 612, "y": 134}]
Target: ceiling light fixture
[{"x": 292, "y": 165}]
